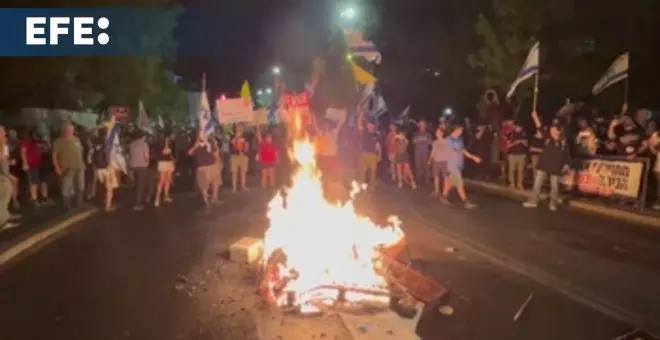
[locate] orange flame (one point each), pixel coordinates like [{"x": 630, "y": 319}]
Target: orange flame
[{"x": 324, "y": 243}]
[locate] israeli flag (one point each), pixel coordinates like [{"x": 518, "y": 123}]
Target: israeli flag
[
  {"x": 367, "y": 99},
  {"x": 529, "y": 69},
  {"x": 116, "y": 152},
  {"x": 403, "y": 117},
  {"x": 379, "y": 109},
  {"x": 617, "y": 72},
  {"x": 206, "y": 122},
  {"x": 358, "y": 46}
]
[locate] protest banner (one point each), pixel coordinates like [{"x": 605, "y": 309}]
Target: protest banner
[
  {"x": 607, "y": 177},
  {"x": 297, "y": 105},
  {"x": 234, "y": 110},
  {"x": 260, "y": 117},
  {"x": 335, "y": 114},
  {"x": 120, "y": 113}
]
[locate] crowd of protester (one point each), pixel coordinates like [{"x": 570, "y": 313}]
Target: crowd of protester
[{"x": 76, "y": 166}]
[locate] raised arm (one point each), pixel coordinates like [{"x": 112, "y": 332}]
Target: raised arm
[{"x": 536, "y": 119}]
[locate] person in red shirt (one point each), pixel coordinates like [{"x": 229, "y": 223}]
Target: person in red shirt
[
  {"x": 31, "y": 160},
  {"x": 268, "y": 156}
]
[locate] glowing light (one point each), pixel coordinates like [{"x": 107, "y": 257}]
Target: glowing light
[
  {"x": 259, "y": 92},
  {"x": 269, "y": 90},
  {"x": 323, "y": 244},
  {"x": 349, "y": 13},
  {"x": 277, "y": 70}
]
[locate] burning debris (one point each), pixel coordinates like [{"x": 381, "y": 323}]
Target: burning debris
[{"x": 320, "y": 256}]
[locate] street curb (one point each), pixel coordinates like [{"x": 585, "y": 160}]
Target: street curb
[
  {"x": 536, "y": 274},
  {"x": 582, "y": 206},
  {"x": 42, "y": 236}
]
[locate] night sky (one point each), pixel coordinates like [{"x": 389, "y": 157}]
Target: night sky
[{"x": 417, "y": 38}]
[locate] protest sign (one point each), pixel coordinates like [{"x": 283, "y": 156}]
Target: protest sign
[
  {"x": 234, "y": 110},
  {"x": 335, "y": 114},
  {"x": 297, "y": 105},
  {"x": 260, "y": 117},
  {"x": 606, "y": 177},
  {"x": 120, "y": 113}
]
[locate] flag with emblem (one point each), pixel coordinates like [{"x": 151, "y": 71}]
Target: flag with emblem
[
  {"x": 528, "y": 70},
  {"x": 143, "y": 122},
  {"x": 358, "y": 46},
  {"x": 615, "y": 73}
]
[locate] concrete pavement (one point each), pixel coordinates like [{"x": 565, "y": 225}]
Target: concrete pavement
[{"x": 162, "y": 274}]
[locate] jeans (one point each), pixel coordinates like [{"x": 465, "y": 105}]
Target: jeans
[
  {"x": 145, "y": 183},
  {"x": 422, "y": 171},
  {"x": 539, "y": 179},
  {"x": 72, "y": 184},
  {"x": 6, "y": 189},
  {"x": 516, "y": 170}
]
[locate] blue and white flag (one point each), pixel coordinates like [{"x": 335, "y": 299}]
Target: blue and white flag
[
  {"x": 617, "y": 72},
  {"x": 358, "y": 46},
  {"x": 403, "y": 117},
  {"x": 529, "y": 69},
  {"x": 379, "y": 109},
  {"x": 205, "y": 118},
  {"x": 160, "y": 123},
  {"x": 366, "y": 100},
  {"x": 112, "y": 144}
]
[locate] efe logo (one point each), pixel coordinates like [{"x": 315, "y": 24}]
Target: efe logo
[{"x": 35, "y": 30}]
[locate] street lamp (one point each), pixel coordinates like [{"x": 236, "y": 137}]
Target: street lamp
[
  {"x": 259, "y": 92},
  {"x": 269, "y": 90},
  {"x": 349, "y": 13},
  {"x": 276, "y": 70}
]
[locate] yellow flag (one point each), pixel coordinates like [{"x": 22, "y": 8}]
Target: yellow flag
[
  {"x": 361, "y": 76},
  {"x": 245, "y": 91}
]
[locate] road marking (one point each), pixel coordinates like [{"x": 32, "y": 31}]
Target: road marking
[
  {"x": 538, "y": 275},
  {"x": 43, "y": 235}
]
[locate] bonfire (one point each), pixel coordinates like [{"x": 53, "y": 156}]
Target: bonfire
[{"x": 319, "y": 254}]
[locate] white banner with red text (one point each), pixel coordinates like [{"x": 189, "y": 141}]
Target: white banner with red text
[
  {"x": 607, "y": 177},
  {"x": 234, "y": 110}
]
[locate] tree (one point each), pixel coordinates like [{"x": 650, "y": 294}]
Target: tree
[{"x": 509, "y": 32}]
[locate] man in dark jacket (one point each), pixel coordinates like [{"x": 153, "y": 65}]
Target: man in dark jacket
[{"x": 553, "y": 162}]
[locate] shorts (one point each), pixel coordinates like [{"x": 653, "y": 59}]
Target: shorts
[
  {"x": 207, "y": 176},
  {"x": 267, "y": 166},
  {"x": 108, "y": 177},
  {"x": 455, "y": 178},
  {"x": 33, "y": 176},
  {"x": 239, "y": 163},
  {"x": 165, "y": 166},
  {"x": 401, "y": 158},
  {"x": 439, "y": 169},
  {"x": 391, "y": 157}
]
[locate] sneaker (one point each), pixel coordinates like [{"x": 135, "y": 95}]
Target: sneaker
[
  {"x": 400, "y": 185},
  {"x": 529, "y": 204},
  {"x": 168, "y": 200},
  {"x": 444, "y": 200},
  {"x": 553, "y": 207},
  {"x": 110, "y": 208},
  {"x": 469, "y": 205},
  {"x": 656, "y": 206},
  {"x": 138, "y": 208},
  {"x": 157, "y": 204},
  {"x": 414, "y": 186}
]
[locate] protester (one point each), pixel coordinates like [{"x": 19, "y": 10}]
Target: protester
[
  {"x": 370, "y": 152},
  {"x": 328, "y": 156},
  {"x": 144, "y": 177},
  {"x": 104, "y": 173},
  {"x": 70, "y": 166},
  {"x": 455, "y": 154},
  {"x": 6, "y": 180},
  {"x": 268, "y": 156},
  {"x": 46, "y": 169},
  {"x": 14, "y": 145},
  {"x": 654, "y": 145},
  {"x": 517, "y": 156},
  {"x": 239, "y": 159},
  {"x": 31, "y": 164},
  {"x": 165, "y": 170},
  {"x": 586, "y": 141},
  {"x": 481, "y": 147},
  {"x": 422, "y": 145},
  {"x": 437, "y": 160},
  {"x": 206, "y": 153},
  {"x": 390, "y": 147},
  {"x": 402, "y": 160},
  {"x": 553, "y": 161}
]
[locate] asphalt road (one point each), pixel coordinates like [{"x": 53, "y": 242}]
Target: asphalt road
[{"x": 118, "y": 275}]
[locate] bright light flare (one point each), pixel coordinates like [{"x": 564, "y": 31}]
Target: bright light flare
[{"x": 326, "y": 244}]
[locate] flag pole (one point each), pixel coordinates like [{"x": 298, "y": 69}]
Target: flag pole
[
  {"x": 536, "y": 92},
  {"x": 625, "y": 91}
]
